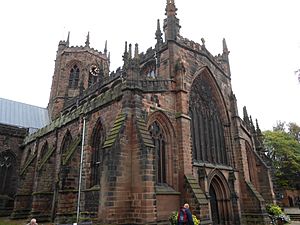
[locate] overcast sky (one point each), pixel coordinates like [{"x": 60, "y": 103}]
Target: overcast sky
[{"x": 263, "y": 37}]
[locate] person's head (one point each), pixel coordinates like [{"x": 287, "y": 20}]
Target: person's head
[
  {"x": 186, "y": 206},
  {"x": 33, "y": 221}
]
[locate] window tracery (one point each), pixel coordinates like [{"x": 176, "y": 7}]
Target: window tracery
[
  {"x": 97, "y": 154},
  {"x": 7, "y": 167},
  {"x": 74, "y": 77},
  {"x": 159, "y": 141},
  {"x": 208, "y": 141}
]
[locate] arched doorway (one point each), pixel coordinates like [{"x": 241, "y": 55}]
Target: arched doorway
[
  {"x": 214, "y": 205},
  {"x": 220, "y": 204}
]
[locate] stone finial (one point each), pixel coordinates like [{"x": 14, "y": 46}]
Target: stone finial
[
  {"x": 203, "y": 41},
  {"x": 171, "y": 23},
  {"x": 105, "y": 48},
  {"x": 130, "y": 52},
  {"x": 158, "y": 35},
  {"x": 125, "y": 56},
  {"x": 171, "y": 8},
  {"x": 258, "y": 131},
  {"x": 225, "y": 49},
  {"x": 246, "y": 117},
  {"x": 68, "y": 39},
  {"x": 136, "y": 51},
  {"x": 87, "y": 42}
]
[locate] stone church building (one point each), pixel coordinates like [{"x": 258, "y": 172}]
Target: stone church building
[{"x": 131, "y": 146}]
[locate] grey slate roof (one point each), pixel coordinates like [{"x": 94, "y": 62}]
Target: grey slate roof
[{"x": 23, "y": 115}]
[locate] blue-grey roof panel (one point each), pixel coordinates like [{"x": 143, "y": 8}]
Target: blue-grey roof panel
[{"x": 23, "y": 115}]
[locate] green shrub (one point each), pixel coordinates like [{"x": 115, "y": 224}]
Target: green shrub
[
  {"x": 274, "y": 209},
  {"x": 276, "y": 214}
]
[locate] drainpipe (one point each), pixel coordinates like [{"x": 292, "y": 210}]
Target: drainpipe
[{"x": 80, "y": 169}]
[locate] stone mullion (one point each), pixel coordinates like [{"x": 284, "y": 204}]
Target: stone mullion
[
  {"x": 202, "y": 137},
  {"x": 197, "y": 134},
  {"x": 213, "y": 139},
  {"x": 220, "y": 134},
  {"x": 224, "y": 159},
  {"x": 217, "y": 138},
  {"x": 207, "y": 149},
  {"x": 193, "y": 133},
  {"x": 229, "y": 154}
]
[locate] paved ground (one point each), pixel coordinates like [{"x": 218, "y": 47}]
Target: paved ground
[{"x": 295, "y": 223}]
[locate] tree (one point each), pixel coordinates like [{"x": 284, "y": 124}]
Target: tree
[
  {"x": 283, "y": 148},
  {"x": 294, "y": 130}
]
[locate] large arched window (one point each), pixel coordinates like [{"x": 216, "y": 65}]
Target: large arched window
[
  {"x": 74, "y": 77},
  {"x": 159, "y": 141},
  {"x": 208, "y": 139},
  {"x": 97, "y": 153},
  {"x": 7, "y": 172}
]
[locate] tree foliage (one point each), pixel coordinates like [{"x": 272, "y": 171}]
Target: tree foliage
[{"x": 283, "y": 148}]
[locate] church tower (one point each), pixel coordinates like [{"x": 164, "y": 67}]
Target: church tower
[{"x": 76, "y": 69}]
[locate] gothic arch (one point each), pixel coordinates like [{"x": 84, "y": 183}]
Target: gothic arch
[
  {"x": 167, "y": 129},
  {"x": 209, "y": 120},
  {"x": 44, "y": 149},
  {"x": 8, "y": 165},
  {"x": 65, "y": 170},
  {"x": 74, "y": 71},
  {"x": 66, "y": 142},
  {"x": 220, "y": 202},
  {"x": 97, "y": 156},
  {"x": 251, "y": 165},
  {"x": 217, "y": 93}
]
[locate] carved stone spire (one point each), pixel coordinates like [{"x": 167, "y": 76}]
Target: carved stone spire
[
  {"x": 136, "y": 59},
  {"x": 246, "y": 117},
  {"x": 68, "y": 39},
  {"x": 158, "y": 35},
  {"x": 87, "y": 42},
  {"x": 225, "y": 58},
  {"x": 105, "y": 48},
  {"x": 130, "y": 52},
  {"x": 125, "y": 57},
  {"x": 225, "y": 49},
  {"x": 252, "y": 127},
  {"x": 171, "y": 23},
  {"x": 258, "y": 131},
  {"x": 136, "y": 51}
]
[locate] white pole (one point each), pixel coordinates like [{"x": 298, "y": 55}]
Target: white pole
[{"x": 80, "y": 170}]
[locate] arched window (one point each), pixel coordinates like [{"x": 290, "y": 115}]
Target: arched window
[
  {"x": 65, "y": 170},
  {"x": 74, "y": 77},
  {"x": 7, "y": 172},
  {"x": 66, "y": 142},
  {"x": 97, "y": 153},
  {"x": 159, "y": 141},
  {"x": 208, "y": 139},
  {"x": 44, "y": 149}
]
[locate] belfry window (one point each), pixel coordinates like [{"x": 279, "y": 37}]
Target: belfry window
[
  {"x": 159, "y": 142},
  {"x": 74, "y": 77}
]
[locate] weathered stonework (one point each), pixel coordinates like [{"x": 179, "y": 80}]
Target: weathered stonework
[
  {"x": 160, "y": 131},
  {"x": 11, "y": 138}
]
